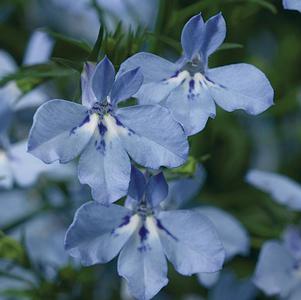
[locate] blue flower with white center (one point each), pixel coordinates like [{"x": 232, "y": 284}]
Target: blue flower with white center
[
  {"x": 144, "y": 234},
  {"x": 190, "y": 89},
  {"x": 105, "y": 135},
  {"x": 292, "y": 4},
  {"x": 233, "y": 235},
  {"x": 281, "y": 188},
  {"x": 278, "y": 270}
]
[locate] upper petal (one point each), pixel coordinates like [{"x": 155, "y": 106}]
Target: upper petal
[
  {"x": 233, "y": 235},
  {"x": 142, "y": 262},
  {"x": 241, "y": 86},
  {"x": 105, "y": 165},
  {"x": 192, "y": 36},
  {"x": 281, "y": 188},
  {"x": 98, "y": 232},
  {"x": 60, "y": 131},
  {"x": 190, "y": 242},
  {"x": 292, "y": 4},
  {"x": 161, "y": 139},
  {"x": 103, "y": 79},
  {"x": 156, "y": 190},
  {"x": 126, "y": 85},
  {"x": 153, "y": 67},
  {"x": 88, "y": 97}
]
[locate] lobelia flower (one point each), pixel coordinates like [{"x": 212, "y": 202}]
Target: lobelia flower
[
  {"x": 190, "y": 89},
  {"x": 292, "y": 4},
  {"x": 279, "y": 266},
  {"x": 144, "y": 234},
  {"x": 104, "y": 135},
  {"x": 233, "y": 235},
  {"x": 281, "y": 188}
]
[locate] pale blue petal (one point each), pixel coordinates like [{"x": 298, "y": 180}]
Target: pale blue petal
[
  {"x": 161, "y": 139},
  {"x": 292, "y": 4},
  {"x": 6, "y": 173},
  {"x": 60, "y": 131},
  {"x": 190, "y": 242},
  {"x": 192, "y": 36},
  {"x": 98, "y": 232},
  {"x": 192, "y": 107},
  {"x": 103, "y": 79},
  {"x": 232, "y": 234},
  {"x": 241, "y": 86},
  {"x": 214, "y": 34},
  {"x": 7, "y": 64},
  {"x": 142, "y": 262},
  {"x": 296, "y": 294},
  {"x": 281, "y": 188},
  {"x": 292, "y": 241},
  {"x": 153, "y": 67},
  {"x": 208, "y": 279},
  {"x": 156, "y": 190},
  {"x": 105, "y": 165},
  {"x": 183, "y": 190},
  {"x": 126, "y": 85},
  {"x": 6, "y": 111},
  {"x": 88, "y": 97},
  {"x": 274, "y": 270},
  {"x": 137, "y": 185},
  {"x": 39, "y": 48}
]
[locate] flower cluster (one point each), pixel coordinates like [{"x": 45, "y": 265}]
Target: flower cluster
[{"x": 175, "y": 101}]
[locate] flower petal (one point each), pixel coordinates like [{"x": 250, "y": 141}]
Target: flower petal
[
  {"x": 126, "y": 85},
  {"x": 232, "y": 234},
  {"x": 153, "y": 67},
  {"x": 208, "y": 279},
  {"x": 241, "y": 86},
  {"x": 156, "y": 190},
  {"x": 281, "y": 188},
  {"x": 292, "y": 241},
  {"x": 192, "y": 36},
  {"x": 60, "y": 131},
  {"x": 98, "y": 232},
  {"x": 274, "y": 270},
  {"x": 6, "y": 174},
  {"x": 88, "y": 97},
  {"x": 161, "y": 139},
  {"x": 142, "y": 262},
  {"x": 103, "y": 79},
  {"x": 292, "y": 4},
  {"x": 105, "y": 165},
  {"x": 214, "y": 34},
  {"x": 190, "y": 242},
  {"x": 7, "y": 64}
]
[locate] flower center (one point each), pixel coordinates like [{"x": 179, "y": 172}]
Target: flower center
[
  {"x": 101, "y": 108},
  {"x": 194, "y": 66}
]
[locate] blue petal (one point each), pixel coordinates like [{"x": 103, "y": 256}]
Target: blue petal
[
  {"x": 232, "y": 234},
  {"x": 98, "y": 232},
  {"x": 88, "y": 97},
  {"x": 292, "y": 4},
  {"x": 296, "y": 293},
  {"x": 105, "y": 165},
  {"x": 142, "y": 262},
  {"x": 60, "y": 131},
  {"x": 153, "y": 67},
  {"x": 281, "y": 188},
  {"x": 161, "y": 139},
  {"x": 190, "y": 242},
  {"x": 103, "y": 79},
  {"x": 183, "y": 190},
  {"x": 274, "y": 270},
  {"x": 7, "y": 64},
  {"x": 156, "y": 190},
  {"x": 192, "y": 36},
  {"x": 208, "y": 279},
  {"x": 6, "y": 173},
  {"x": 191, "y": 105},
  {"x": 241, "y": 86},
  {"x": 292, "y": 241},
  {"x": 215, "y": 32},
  {"x": 126, "y": 85}
]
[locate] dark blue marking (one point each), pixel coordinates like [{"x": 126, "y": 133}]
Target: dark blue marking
[
  {"x": 130, "y": 131},
  {"x": 101, "y": 146},
  {"x": 191, "y": 85},
  {"x": 102, "y": 129},
  {"x": 175, "y": 75},
  {"x": 143, "y": 233},
  {"x": 161, "y": 227},
  {"x": 85, "y": 120},
  {"x": 125, "y": 221}
]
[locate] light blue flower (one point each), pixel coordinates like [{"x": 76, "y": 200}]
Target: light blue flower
[
  {"x": 144, "y": 234},
  {"x": 190, "y": 89},
  {"x": 279, "y": 266},
  {"x": 281, "y": 188},
  {"x": 292, "y": 4},
  {"x": 105, "y": 135}
]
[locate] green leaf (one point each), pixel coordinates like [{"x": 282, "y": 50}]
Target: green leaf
[
  {"x": 96, "y": 48},
  {"x": 266, "y": 4},
  {"x": 72, "y": 64},
  {"x": 230, "y": 46},
  {"x": 188, "y": 169}
]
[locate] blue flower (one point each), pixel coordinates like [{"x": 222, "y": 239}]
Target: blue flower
[
  {"x": 278, "y": 268},
  {"x": 190, "y": 89},
  {"x": 281, "y": 188},
  {"x": 144, "y": 234},
  {"x": 105, "y": 135},
  {"x": 292, "y": 4}
]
